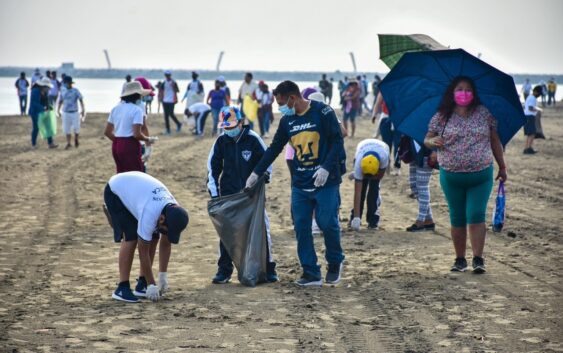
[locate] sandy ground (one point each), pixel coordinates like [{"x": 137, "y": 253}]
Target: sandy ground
[{"x": 59, "y": 265}]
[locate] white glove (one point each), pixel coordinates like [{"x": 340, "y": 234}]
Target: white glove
[
  {"x": 355, "y": 224},
  {"x": 147, "y": 154},
  {"x": 163, "y": 282},
  {"x": 252, "y": 179},
  {"x": 153, "y": 293},
  {"x": 153, "y": 139},
  {"x": 320, "y": 176}
]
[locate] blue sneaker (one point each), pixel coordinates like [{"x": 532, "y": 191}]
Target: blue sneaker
[
  {"x": 141, "y": 288},
  {"x": 271, "y": 274},
  {"x": 307, "y": 281},
  {"x": 333, "y": 273},
  {"x": 123, "y": 293},
  {"x": 221, "y": 278}
]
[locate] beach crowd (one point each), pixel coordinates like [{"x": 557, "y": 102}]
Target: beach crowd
[{"x": 461, "y": 145}]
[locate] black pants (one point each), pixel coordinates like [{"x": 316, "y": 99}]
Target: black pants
[
  {"x": 225, "y": 262},
  {"x": 370, "y": 188},
  {"x": 169, "y": 113}
]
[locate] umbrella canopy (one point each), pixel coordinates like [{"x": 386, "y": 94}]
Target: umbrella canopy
[
  {"x": 393, "y": 46},
  {"x": 414, "y": 88}
]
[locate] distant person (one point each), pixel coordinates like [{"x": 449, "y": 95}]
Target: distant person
[
  {"x": 551, "y": 91},
  {"x": 142, "y": 211},
  {"x": 71, "y": 118},
  {"x": 199, "y": 111},
  {"x": 465, "y": 134},
  {"x": 169, "y": 99},
  {"x": 55, "y": 89},
  {"x": 224, "y": 86},
  {"x": 543, "y": 86},
  {"x": 22, "y": 88},
  {"x": 324, "y": 86},
  {"x": 247, "y": 88},
  {"x": 217, "y": 99},
  {"x": 352, "y": 103},
  {"x": 36, "y": 76},
  {"x": 39, "y": 103},
  {"x": 370, "y": 161},
  {"x": 194, "y": 91},
  {"x": 375, "y": 90},
  {"x": 328, "y": 96},
  {"x": 532, "y": 112},
  {"x": 365, "y": 91},
  {"x": 147, "y": 100},
  {"x": 126, "y": 128},
  {"x": 265, "y": 114},
  {"x": 127, "y": 80},
  {"x": 342, "y": 86},
  {"x": 526, "y": 89},
  {"x": 389, "y": 134},
  {"x": 227, "y": 171},
  {"x": 160, "y": 94}
]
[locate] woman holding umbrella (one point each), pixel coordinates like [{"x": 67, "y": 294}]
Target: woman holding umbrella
[{"x": 465, "y": 135}]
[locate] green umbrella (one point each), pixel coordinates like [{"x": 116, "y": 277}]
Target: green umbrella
[{"x": 393, "y": 46}]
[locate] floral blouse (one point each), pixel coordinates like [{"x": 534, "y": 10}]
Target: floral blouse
[{"x": 467, "y": 141}]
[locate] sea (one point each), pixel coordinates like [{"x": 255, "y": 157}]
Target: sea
[{"x": 101, "y": 95}]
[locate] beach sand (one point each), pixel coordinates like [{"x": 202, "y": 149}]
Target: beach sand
[{"x": 58, "y": 263}]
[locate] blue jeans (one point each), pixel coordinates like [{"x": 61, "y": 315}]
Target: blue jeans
[
  {"x": 325, "y": 202},
  {"x": 391, "y": 137},
  {"x": 23, "y": 104},
  {"x": 215, "y": 113}
]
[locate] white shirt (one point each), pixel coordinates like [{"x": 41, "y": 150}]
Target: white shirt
[
  {"x": 531, "y": 101},
  {"x": 199, "y": 108},
  {"x": 144, "y": 196},
  {"x": 246, "y": 89},
  {"x": 370, "y": 145},
  {"x": 168, "y": 92},
  {"x": 123, "y": 116}
]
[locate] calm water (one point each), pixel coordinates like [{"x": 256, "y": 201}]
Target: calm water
[{"x": 100, "y": 95}]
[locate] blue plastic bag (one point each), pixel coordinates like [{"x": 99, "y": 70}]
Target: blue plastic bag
[{"x": 500, "y": 205}]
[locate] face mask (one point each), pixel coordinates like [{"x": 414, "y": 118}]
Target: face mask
[
  {"x": 234, "y": 132},
  {"x": 287, "y": 111},
  {"x": 463, "y": 98}
]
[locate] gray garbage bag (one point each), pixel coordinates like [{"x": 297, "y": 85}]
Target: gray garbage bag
[{"x": 240, "y": 222}]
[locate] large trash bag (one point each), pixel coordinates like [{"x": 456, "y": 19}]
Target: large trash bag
[
  {"x": 240, "y": 222},
  {"x": 499, "y": 211},
  {"x": 250, "y": 108},
  {"x": 47, "y": 123}
]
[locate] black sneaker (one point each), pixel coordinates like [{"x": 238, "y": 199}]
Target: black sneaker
[
  {"x": 221, "y": 278},
  {"x": 306, "y": 281},
  {"x": 123, "y": 293},
  {"x": 271, "y": 274},
  {"x": 460, "y": 265},
  {"x": 141, "y": 288},
  {"x": 431, "y": 226},
  {"x": 414, "y": 228},
  {"x": 372, "y": 226},
  {"x": 478, "y": 265},
  {"x": 333, "y": 273},
  {"x": 530, "y": 151}
]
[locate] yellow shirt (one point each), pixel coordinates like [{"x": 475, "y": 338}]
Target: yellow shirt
[{"x": 551, "y": 87}]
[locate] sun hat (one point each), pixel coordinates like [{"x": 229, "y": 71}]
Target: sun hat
[
  {"x": 45, "y": 82},
  {"x": 370, "y": 163},
  {"x": 134, "y": 87},
  {"x": 177, "y": 220},
  {"x": 317, "y": 96},
  {"x": 229, "y": 117}
]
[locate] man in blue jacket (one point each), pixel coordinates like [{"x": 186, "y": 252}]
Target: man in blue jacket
[
  {"x": 231, "y": 160},
  {"x": 313, "y": 131}
]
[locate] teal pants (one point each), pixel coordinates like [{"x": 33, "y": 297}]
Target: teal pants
[{"x": 467, "y": 195}]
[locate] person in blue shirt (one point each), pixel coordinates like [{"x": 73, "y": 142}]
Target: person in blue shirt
[
  {"x": 231, "y": 160},
  {"x": 312, "y": 129},
  {"x": 217, "y": 99},
  {"x": 39, "y": 103},
  {"x": 22, "y": 87}
]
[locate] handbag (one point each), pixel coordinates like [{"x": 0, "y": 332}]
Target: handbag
[{"x": 499, "y": 211}]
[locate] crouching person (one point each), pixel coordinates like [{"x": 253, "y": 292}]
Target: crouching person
[
  {"x": 231, "y": 160},
  {"x": 141, "y": 211}
]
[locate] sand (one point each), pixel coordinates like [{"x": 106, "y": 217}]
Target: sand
[{"x": 59, "y": 265}]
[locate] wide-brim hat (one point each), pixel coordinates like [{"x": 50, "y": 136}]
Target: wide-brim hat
[
  {"x": 134, "y": 87},
  {"x": 45, "y": 82}
]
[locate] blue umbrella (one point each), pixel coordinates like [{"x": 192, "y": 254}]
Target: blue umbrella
[{"x": 414, "y": 88}]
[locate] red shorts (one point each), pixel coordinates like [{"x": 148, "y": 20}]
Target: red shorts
[{"x": 127, "y": 154}]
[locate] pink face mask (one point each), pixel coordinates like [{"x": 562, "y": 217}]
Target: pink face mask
[{"x": 463, "y": 98}]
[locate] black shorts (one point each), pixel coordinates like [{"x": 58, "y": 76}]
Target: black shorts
[
  {"x": 530, "y": 125},
  {"x": 124, "y": 223}
]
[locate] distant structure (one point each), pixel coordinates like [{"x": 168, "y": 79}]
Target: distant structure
[
  {"x": 219, "y": 61},
  {"x": 67, "y": 66},
  {"x": 353, "y": 62},
  {"x": 107, "y": 58}
]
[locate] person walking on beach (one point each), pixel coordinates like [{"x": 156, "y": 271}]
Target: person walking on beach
[
  {"x": 22, "y": 88},
  {"x": 314, "y": 132},
  {"x": 224, "y": 86},
  {"x": 232, "y": 158},
  {"x": 352, "y": 104},
  {"x": 370, "y": 161},
  {"x": 194, "y": 91},
  {"x": 141, "y": 210},
  {"x": 39, "y": 103},
  {"x": 324, "y": 86},
  {"x": 127, "y": 80},
  {"x": 199, "y": 111},
  {"x": 71, "y": 118},
  {"x": 265, "y": 99},
  {"x": 55, "y": 89},
  {"x": 532, "y": 113},
  {"x": 217, "y": 99},
  {"x": 126, "y": 127},
  {"x": 551, "y": 90},
  {"x": 465, "y": 134},
  {"x": 247, "y": 88},
  {"x": 342, "y": 86},
  {"x": 169, "y": 99},
  {"x": 375, "y": 91}
]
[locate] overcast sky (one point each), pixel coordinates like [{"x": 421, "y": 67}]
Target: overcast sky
[{"x": 516, "y": 36}]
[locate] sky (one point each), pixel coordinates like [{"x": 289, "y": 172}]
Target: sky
[{"x": 294, "y": 35}]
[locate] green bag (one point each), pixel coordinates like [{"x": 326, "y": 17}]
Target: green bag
[{"x": 47, "y": 122}]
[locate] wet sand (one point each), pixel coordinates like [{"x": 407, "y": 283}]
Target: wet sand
[{"x": 59, "y": 264}]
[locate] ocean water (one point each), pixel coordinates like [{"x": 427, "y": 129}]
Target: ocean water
[{"x": 101, "y": 95}]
